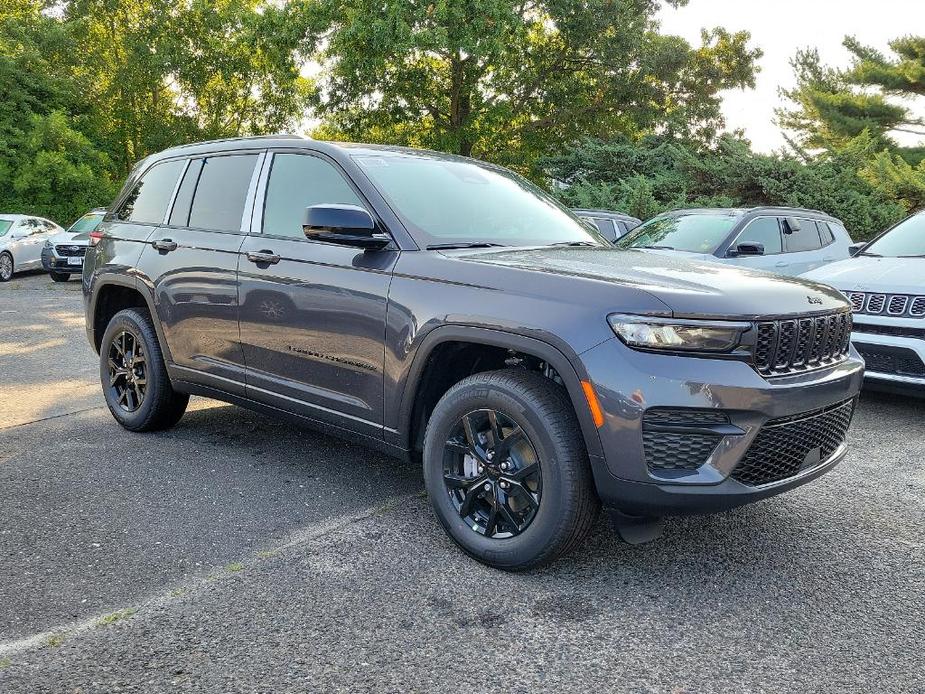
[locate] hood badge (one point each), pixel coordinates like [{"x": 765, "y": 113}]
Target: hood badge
[{"x": 814, "y": 299}]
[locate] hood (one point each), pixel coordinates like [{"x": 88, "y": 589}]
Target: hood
[
  {"x": 689, "y": 288},
  {"x": 868, "y": 274},
  {"x": 80, "y": 239}
]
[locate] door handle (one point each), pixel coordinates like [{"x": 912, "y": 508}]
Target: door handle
[
  {"x": 165, "y": 245},
  {"x": 263, "y": 257},
  {"x": 781, "y": 264}
]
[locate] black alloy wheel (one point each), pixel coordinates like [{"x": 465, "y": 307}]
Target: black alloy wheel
[
  {"x": 492, "y": 474},
  {"x": 128, "y": 371}
]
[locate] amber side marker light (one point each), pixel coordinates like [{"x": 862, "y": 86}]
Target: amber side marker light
[{"x": 596, "y": 413}]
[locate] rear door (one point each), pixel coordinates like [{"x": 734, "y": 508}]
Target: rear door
[
  {"x": 803, "y": 247},
  {"x": 192, "y": 261},
  {"x": 313, "y": 317}
]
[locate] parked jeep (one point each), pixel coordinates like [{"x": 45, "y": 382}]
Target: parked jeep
[{"x": 447, "y": 310}]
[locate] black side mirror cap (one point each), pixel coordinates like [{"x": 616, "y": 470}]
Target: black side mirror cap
[
  {"x": 348, "y": 225},
  {"x": 747, "y": 249},
  {"x": 855, "y": 248}
]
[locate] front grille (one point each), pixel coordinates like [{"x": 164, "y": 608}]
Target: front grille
[
  {"x": 887, "y": 304},
  {"x": 71, "y": 251},
  {"x": 787, "y": 445},
  {"x": 897, "y": 361},
  {"x": 788, "y": 346},
  {"x": 669, "y": 447}
]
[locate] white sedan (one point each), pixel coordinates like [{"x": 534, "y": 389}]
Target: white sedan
[
  {"x": 21, "y": 240},
  {"x": 885, "y": 282}
]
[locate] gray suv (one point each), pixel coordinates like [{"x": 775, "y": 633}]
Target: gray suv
[{"x": 446, "y": 310}]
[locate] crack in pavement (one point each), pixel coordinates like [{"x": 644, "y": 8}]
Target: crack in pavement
[
  {"x": 50, "y": 417},
  {"x": 56, "y": 635}
]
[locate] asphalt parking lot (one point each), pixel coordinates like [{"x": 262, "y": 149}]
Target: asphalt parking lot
[{"x": 236, "y": 553}]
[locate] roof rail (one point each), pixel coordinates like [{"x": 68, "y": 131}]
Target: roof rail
[{"x": 273, "y": 136}]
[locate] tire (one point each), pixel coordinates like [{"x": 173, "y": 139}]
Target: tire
[
  {"x": 60, "y": 276},
  {"x": 567, "y": 503},
  {"x": 6, "y": 267},
  {"x": 156, "y": 405}
]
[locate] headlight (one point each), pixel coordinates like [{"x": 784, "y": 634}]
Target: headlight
[
  {"x": 49, "y": 245},
  {"x": 673, "y": 335}
]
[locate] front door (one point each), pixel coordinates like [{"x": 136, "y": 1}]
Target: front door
[{"x": 312, "y": 314}]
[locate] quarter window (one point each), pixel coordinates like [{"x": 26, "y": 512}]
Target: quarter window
[
  {"x": 298, "y": 181},
  {"x": 825, "y": 233},
  {"x": 147, "y": 203},
  {"x": 764, "y": 230},
  {"x": 804, "y": 239},
  {"x": 222, "y": 192}
]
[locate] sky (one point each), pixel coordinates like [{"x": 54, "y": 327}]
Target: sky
[{"x": 780, "y": 28}]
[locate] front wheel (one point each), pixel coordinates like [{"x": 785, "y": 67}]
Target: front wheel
[
  {"x": 506, "y": 469},
  {"x": 6, "y": 267},
  {"x": 134, "y": 377},
  {"x": 60, "y": 276}
]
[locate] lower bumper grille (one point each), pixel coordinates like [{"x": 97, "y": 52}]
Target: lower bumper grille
[
  {"x": 680, "y": 439},
  {"x": 788, "y": 445},
  {"x": 897, "y": 361}
]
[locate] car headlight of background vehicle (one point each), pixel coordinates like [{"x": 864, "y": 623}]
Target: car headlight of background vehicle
[
  {"x": 49, "y": 245},
  {"x": 671, "y": 335}
]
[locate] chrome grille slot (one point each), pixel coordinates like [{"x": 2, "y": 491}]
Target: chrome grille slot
[
  {"x": 875, "y": 303},
  {"x": 897, "y": 305}
]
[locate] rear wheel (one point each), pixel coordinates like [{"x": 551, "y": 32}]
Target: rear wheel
[
  {"x": 60, "y": 276},
  {"x": 6, "y": 267},
  {"x": 133, "y": 375},
  {"x": 506, "y": 469}
]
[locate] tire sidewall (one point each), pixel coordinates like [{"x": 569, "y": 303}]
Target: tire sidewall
[
  {"x": 544, "y": 529},
  {"x": 130, "y": 321}
]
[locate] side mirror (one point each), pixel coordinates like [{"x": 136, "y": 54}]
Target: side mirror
[
  {"x": 792, "y": 225},
  {"x": 855, "y": 248},
  {"x": 348, "y": 225},
  {"x": 748, "y": 249}
]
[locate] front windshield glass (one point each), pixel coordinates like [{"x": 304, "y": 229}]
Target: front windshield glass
[
  {"x": 89, "y": 222},
  {"x": 906, "y": 239},
  {"x": 697, "y": 233},
  {"x": 448, "y": 201},
  {"x": 5, "y": 225}
]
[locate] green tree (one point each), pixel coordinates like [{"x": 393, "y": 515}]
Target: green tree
[
  {"x": 832, "y": 107},
  {"x": 509, "y": 79}
]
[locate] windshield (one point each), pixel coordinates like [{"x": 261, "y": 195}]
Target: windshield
[
  {"x": 447, "y": 202},
  {"x": 5, "y": 225},
  {"x": 89, "y": 222},
  {"x": 697, "y": 233},
  {"x": 906, "y": 239}
]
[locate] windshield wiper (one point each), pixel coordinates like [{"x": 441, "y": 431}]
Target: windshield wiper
[
  {"x": 574, "y": 243},
  {"x": 872, "y": 255},
  {"x": 919, "y": 255},
  {"x": 663, "y": 248},
  {"x": 474, "y": 244}
]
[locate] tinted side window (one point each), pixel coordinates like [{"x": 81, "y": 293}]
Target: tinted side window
[
  {"x": 606, "y": 227},
  {"x": 825, "y": 233},
  {"x": 298, "y": 181},
  {"x": 147, "y": 203},
  {"x": 179, "y": 215},
  {"x": 806, "y": 239},
  {"x": 764, "y": 230},
  {"x": 222, "y": 192}
]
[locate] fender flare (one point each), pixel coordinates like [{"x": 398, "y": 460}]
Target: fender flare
[
  {"x": 103, "y": 280},
  {"x": 569, "y": 369}
]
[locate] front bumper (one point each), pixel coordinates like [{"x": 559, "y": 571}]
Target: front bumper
[
  {"x": 52, "y": 262},
  {"x": 895, "y": 363},
  {"x": 629, "y": 383}
]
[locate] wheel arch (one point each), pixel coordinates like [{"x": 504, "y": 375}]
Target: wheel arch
[
  {"x": 113, "y": 293},
  {"x": 569, "y": 371}
]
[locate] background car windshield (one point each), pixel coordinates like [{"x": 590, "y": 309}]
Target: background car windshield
[
  {"x": 697, "y": 233},
  {"x": 88, "y": 222},
  {"x": 5, "y": 225},
  {"x": 450, "y": 201},
  {"x": 905, "y": 239}
]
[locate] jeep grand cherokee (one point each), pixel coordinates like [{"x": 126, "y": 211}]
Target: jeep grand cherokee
[{"x": 444, "y": 309}]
